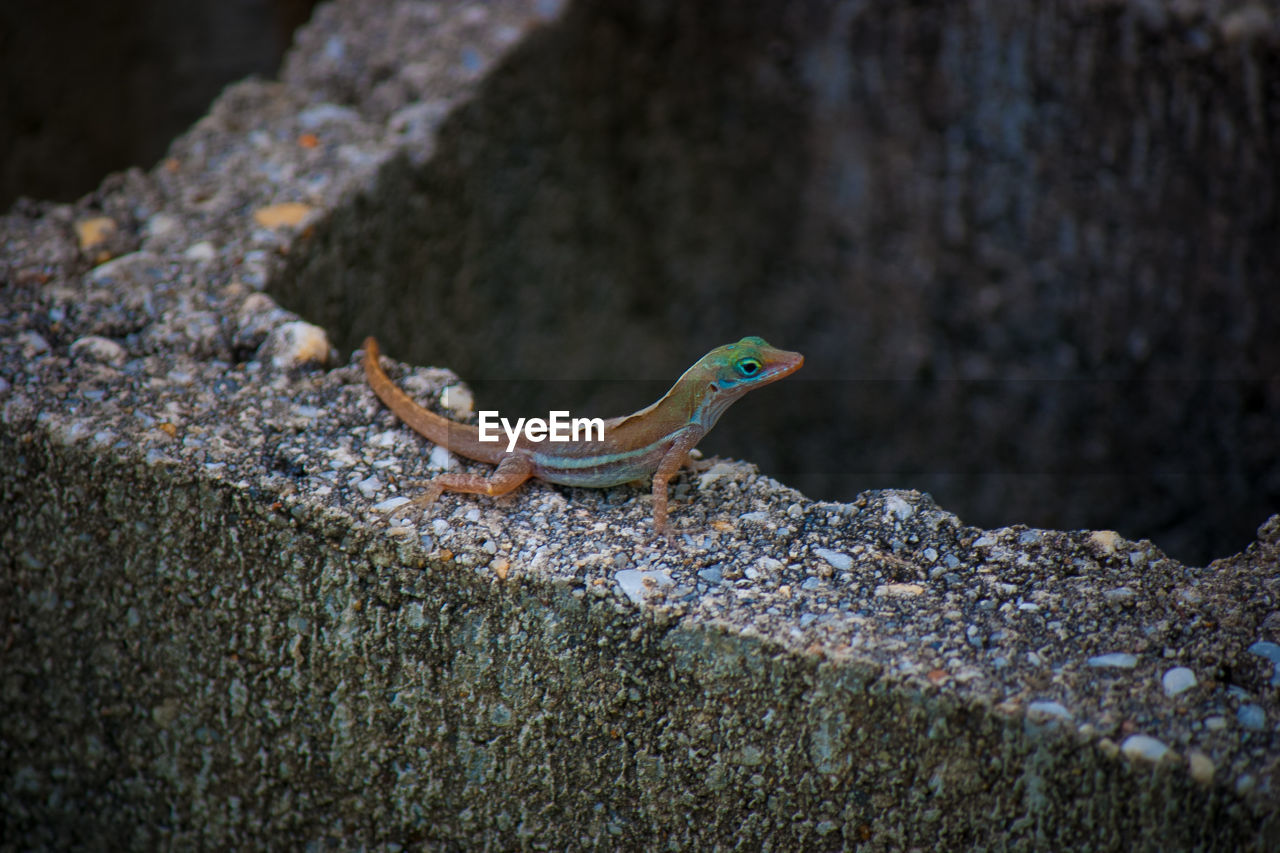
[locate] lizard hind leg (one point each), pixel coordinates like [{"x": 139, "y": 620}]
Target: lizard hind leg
[{"x": 507, "y": 477}]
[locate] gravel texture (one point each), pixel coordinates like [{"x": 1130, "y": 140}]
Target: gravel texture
[{"x": 226, "y": 628}]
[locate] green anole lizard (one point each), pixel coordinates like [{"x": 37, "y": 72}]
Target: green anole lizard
[{"x": 654, "y": 441}]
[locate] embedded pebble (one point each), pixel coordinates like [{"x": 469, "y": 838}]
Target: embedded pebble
[
  {"x": 95, "y": 231},
  {"x": 369, "y": 486},
  {"x": 201, "y": 252},
  {"x": 340, "y": 457},
  {"x": 898, "y": 590},
  {"x": 285, "y": 215},
  {"x": 1120, "y": 660},
  {"x": 1201, "y": 767},
  {"x": 391, "y": 504},
  {"x": 635, "y": 582},
  {"x": 1270, "y": 651},
  {"x": 161, "y": 225},
  {"x": 1178, "y": 680},
  {"x": 716, "y": 472},
  {"x": 1042, "y": 711},
  {"x": 99, "y": 349},
  {"x": 1105, "y": 541},
  {"x": 1120, "y": 595},
  {"x": 897, "y": 506},
  {"x": 134, "y": 268},
  {"x": 385, "y": 439},
  {"x": 458, "y": 400},
  {"x": 255, "y": 318},
  {"x": 1144, "y": 747},
  {"x": 438, "y": 459},
  {"x": 768, "y": 565},
  {"x": 839, "y": 561},
  {"x": 1252, "y": 717},
  {"x": 297, "y": 344}
]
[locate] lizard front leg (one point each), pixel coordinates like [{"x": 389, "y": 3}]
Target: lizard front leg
[{"x": 667, "y": 468}]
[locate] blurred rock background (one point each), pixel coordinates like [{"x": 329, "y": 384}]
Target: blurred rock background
[{"x": 90, "y": 88}]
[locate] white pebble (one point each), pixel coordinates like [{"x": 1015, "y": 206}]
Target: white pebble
[
  {"x": 438, "y": 459},
  {"x": 386, "y": 439},
  {"x": 459, "y": 400},
  {"x": 369, "y": 486},
  {"x": 1120, "y": 660},
  {"x": 838, "y": 561},
  {"x": 161, "y": 225},
  {"x": 899, "y": 507},
  {"x": 1178, "y": 680},
  {"x": 297, "y": 344},
  {"x": 1143, "y": 747},
  {"x": 201, "y": 252},
  {"x": 390, "y": 504},
  {"x": 634, "y": 583},
  {"x": 768, "y": 564}
]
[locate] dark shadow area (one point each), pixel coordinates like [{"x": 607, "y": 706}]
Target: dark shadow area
[
  {"x": 92, "y": 88},
  {"x": 1029, "y": 254}
]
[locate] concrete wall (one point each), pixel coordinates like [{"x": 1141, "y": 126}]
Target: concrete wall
[{"x": 216, "y": 636}]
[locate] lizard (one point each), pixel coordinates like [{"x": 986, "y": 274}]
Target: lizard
[{"x": 655, "y": 441}]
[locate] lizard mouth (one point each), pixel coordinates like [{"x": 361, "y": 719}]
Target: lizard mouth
[{"x": 785, "y": 366}]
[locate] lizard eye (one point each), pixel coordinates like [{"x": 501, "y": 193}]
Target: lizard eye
[{"x": 749, "y": 367}]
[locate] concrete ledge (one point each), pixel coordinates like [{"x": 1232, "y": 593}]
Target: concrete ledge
[{"x": 214, "y": 638}]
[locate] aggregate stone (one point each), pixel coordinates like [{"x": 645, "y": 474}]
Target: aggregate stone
[{"x": 221, "y": 634}]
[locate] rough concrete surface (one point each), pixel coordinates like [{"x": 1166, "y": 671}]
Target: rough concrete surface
[
  {"x": 218, "y": 633},
  {"x": 1027, "y": 248}
]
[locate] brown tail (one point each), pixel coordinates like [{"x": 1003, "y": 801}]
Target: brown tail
[{"x": 458, "y": 438}]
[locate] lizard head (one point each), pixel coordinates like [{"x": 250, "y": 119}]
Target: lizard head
[
  {"x": 734, "y": 369},
  {"x": 750, "y": 363}
]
